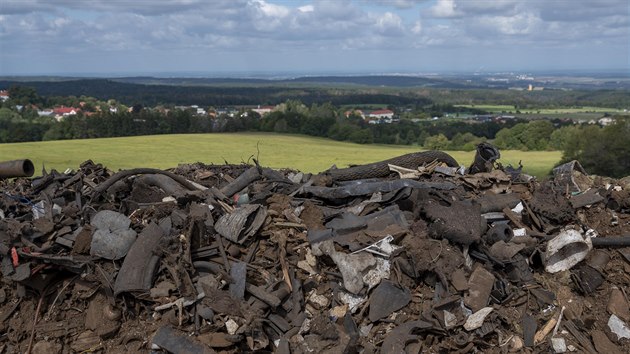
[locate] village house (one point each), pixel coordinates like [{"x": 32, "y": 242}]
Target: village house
[
  {"x": 605, "y": 121},
  {"x": 381, "y": 113},
  {"x": 262, "y": 110},
  {"x": 63, "y": 111},
  {"x": 4, "y": 95}
]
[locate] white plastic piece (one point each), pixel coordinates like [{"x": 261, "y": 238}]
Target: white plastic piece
[
  {"x": 231, "y": 326},
  {"x": 38, "y": 210},
  {"x": 353, "y": 301},
  {"x": 559, "y": 345},
  {"x": 618, "y": 327},
  {"x": 519, "y": 232},
  {"x": 518, "y": 208},
  {"x": 169, "y": 199},
  {"x": 566, "y": 250},
  {"x": 475, "y": 320}
]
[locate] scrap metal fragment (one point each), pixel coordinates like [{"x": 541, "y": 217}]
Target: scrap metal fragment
[
  {"x": 529, "y": 330},
  {"x": 238, "y": 273},
  {"x": 137, "y": 271},
  {"x": 399, "y": 337},
  {"x": 572, "y": 176},
  {"x": 587, "y": 198},
  {"x": 368, "y": 188},
  {"x": 242, "y": 223},
  {"x": 245, "y": 179},
  {"x": 169, "y": 339},
  {"x": 387, "y": 298}
]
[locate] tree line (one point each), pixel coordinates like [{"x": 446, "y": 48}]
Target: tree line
[{"x": 600, "y": 150}]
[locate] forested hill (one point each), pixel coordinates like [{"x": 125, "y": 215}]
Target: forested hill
[
  {"x": 399, "y": 81},
  {"x": 151, "y": 95}
]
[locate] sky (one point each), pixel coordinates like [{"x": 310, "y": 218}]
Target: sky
[{"x": 237, "y": 37}]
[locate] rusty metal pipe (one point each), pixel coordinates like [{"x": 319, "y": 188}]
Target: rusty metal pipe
[{"x": 16, "y": 168}]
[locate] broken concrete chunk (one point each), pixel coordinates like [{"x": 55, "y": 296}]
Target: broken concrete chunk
[
  {"x": 479, "y": 288},
  {"x": 387, "y": 298},
  {"x": 459, "y": 281},
  {"x": 618, "y": 305},
  {"x": 603, "y": 344}
]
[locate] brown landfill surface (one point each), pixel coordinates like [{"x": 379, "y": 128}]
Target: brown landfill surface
[{"x": 242, "y": 258}]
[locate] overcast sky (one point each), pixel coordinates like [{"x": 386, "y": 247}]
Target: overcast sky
[{"x": 137, "y": 37}]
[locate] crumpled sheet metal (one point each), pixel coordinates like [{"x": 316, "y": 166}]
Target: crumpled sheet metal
[
  {"x": 242, "y": 223},
  {"x": 360, "y": 188},
  {"x": 572, "y": 176},
  {"x": 138, "y": 269}
]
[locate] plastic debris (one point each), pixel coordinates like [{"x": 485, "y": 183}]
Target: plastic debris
[{"x": 567, "y": 249}]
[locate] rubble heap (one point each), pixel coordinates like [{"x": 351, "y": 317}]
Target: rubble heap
[{"x": 240, "y": 258}]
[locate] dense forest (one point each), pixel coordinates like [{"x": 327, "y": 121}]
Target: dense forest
[{"x": 266, "y": 92}]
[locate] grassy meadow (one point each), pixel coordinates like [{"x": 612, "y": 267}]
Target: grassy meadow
[
  {"x": 564, "y": 110},
  {"x": 302, "y": 153}
]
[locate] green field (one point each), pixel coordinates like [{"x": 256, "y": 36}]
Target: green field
[
  {"x": 302, "y": 153},
  {"x": 564, "y": 110}
]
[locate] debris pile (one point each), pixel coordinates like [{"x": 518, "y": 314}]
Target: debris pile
[{"x": 239, "y": 258}]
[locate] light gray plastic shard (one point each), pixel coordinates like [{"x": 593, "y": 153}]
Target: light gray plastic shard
[
  {"x": 112, "y": 238},
  {"x": 618, "y": 327}
]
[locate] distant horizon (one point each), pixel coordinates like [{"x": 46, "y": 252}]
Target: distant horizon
[{"x": 271, "y": 75}]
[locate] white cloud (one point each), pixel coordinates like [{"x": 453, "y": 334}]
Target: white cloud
[
  {"x": 389, "y": 24},
  {"x": 401, "y": 4},
  {"x": 272, "y": 10},
  {"x": 417, "y": 28},
  {"x": 444, "y": 9},
  {"x": 306, "y": 8}
]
